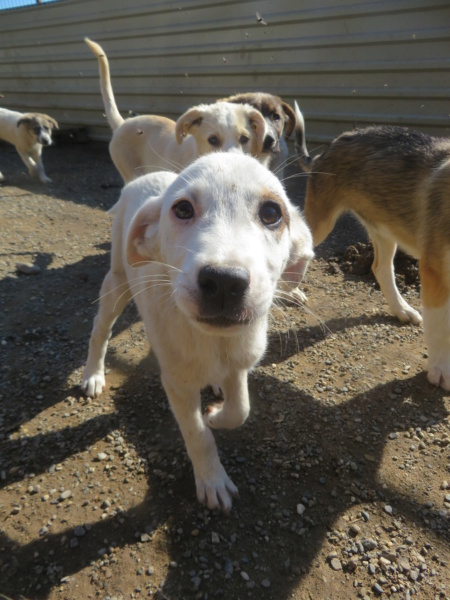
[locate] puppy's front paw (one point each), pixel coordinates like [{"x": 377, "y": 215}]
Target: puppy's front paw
[
  {"x": 93, "y": 385},
  {"x": 217, "y": 490},
  {"x": 440, "y": 376}
]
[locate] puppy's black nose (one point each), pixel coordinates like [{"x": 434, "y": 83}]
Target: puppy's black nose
[
  {"x": 44, "y": 142},
  {"x": 269, "y": 143},
  {"x": 223, "y": 288}
]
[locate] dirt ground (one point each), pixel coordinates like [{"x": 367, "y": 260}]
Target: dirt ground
[{"x": 342, "y": 467}]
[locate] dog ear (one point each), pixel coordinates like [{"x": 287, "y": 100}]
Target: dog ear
[
  {"x": 142, "y": 239},
  {"x": 192, "y": 118},
  {"x": 301, "y": 250},
  {"x": 290, "y": 119},
  {"x": 24, "y": 121},
  {"x": 258, "y": 124}
]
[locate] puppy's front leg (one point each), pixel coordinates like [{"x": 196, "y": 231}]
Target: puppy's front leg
[
  {"x": 114, "y": 295},
  {"x": 383, "y": 269},
  {"x": 234, "y": 409},
  {"x": 39, "y": 169},
  {"x": 214, "y": 487}
]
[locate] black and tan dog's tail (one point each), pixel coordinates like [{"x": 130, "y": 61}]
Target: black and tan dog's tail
[{"x": 304, "y": 160}]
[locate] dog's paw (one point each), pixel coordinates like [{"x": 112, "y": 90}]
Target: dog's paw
[
  {"x": 407, "y": 314},
  {"x": 440, "y": 376},
  {"x": 93, "y": 385},
  {"x": 216, "y": 491},
  {"x": 45, "y": 179}
]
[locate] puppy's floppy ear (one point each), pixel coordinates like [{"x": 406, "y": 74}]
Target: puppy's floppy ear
[
  {"x": 301, "y": 249},
  {"x": 25, "y": 120},
  {"x": 290, "y": 119},
  {"x": 142, "y": 239},
  {"x": 258, "y": 124},
  {"x": 192, "y": 118}
]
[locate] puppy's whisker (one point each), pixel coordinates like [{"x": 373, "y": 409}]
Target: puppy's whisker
[{"x": 142, "y": 263}]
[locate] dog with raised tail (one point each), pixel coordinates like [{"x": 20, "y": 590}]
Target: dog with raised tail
[
  {"x": 148, "y": 143},
  {"x": 201, "y": 254},
  {"x": 397, "y": 182},
  {"x": 29, "y": 133}
]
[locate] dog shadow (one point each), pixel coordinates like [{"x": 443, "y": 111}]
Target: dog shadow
[
  {"x": 252, "y": 455},
  {"x": 65, "y": 163}
]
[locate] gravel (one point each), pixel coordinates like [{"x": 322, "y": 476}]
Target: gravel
[{"x": 97, "y": 496}]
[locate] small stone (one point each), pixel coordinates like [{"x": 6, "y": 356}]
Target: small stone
[
  {"x": 196, "y": 581},
  {"x": 28, "y": 268},
  {"x": 145, "y": 537},
  {"x": 43, "y": 530},
  {"x": 300, "y": 509},
  {"x": 336, "y": 564},
  {"x": 355, "y": 529},
  {"x": 73, "y": 542},
  {"x": 265, "y": 583},
  {"x": 79, "y": 531},
  {"x": 102, "y": 456},
  {"x": 369, "y": 544},
  {"x": 365, "y": 515},
  {"x": 245, "y": 576},
  {"x": 352, "y": 565},
  {"x": 388, "y": 509},
  {"x": 377, "y": 589},
  {"x": 65, "y": 495},
  {"x": 195, "y": 532},
  {"x": 215, "y": 538}
]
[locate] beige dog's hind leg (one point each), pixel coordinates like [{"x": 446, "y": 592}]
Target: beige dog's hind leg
[
  {"x": 214, "y": 488},
  {"x": 383, "y": 269},
  {"x": 233, "y": 411},
  {"x": 114, "y": 295},
  {"x": 435, "y": 283}
]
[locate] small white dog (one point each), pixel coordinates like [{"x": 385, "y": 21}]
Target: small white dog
[
  {"x": 28, "y": 132},
  {"x": 201, "y": 254},
  {"x": 149, "y": 143}
]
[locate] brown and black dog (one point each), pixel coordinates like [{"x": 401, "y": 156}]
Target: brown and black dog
[
  {"x": 280, "y": 123},
  {"x": 397, "y": 182}
]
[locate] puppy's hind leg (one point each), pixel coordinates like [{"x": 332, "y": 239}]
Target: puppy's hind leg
[
  {"x": 383, "y": 269},
  {"x": 435, "y": 283},
  {"x": 234, "y": 409},
  {"x": 214, "y": 488},
  {"x": 114, "y": 295}
]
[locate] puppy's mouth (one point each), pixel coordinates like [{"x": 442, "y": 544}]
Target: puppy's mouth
[{"x": 223, "y": 322}]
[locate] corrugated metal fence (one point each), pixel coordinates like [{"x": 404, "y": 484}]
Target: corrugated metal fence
[{"x": 348, "y": 63}]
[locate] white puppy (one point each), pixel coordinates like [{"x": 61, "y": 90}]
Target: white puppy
[
  {"x": 201, "y": 254},
  {"x": 28, "y": 132},
  {"x": 149, "y": 143}
]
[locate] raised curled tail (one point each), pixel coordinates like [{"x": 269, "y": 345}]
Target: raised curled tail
[
  {"x": 304, "y": 160},
  {"x": 113, "y": 115}
]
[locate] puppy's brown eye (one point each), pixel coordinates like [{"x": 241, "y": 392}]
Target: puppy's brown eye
[
  {"x": 183, "y": 210},
  {"x": 270, "y": 214},
  {"x": 244, "y": 139},
  {"x": 214, "y": 140},
  {"x": 276, "y": 116}
]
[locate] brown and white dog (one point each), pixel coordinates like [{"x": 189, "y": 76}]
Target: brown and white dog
[
  {"x": 397, "y": 182},
  {"x": 28, "y": 132},
  {"x": 149, "y": 143},
  {"x": 280, "y": 123}
]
